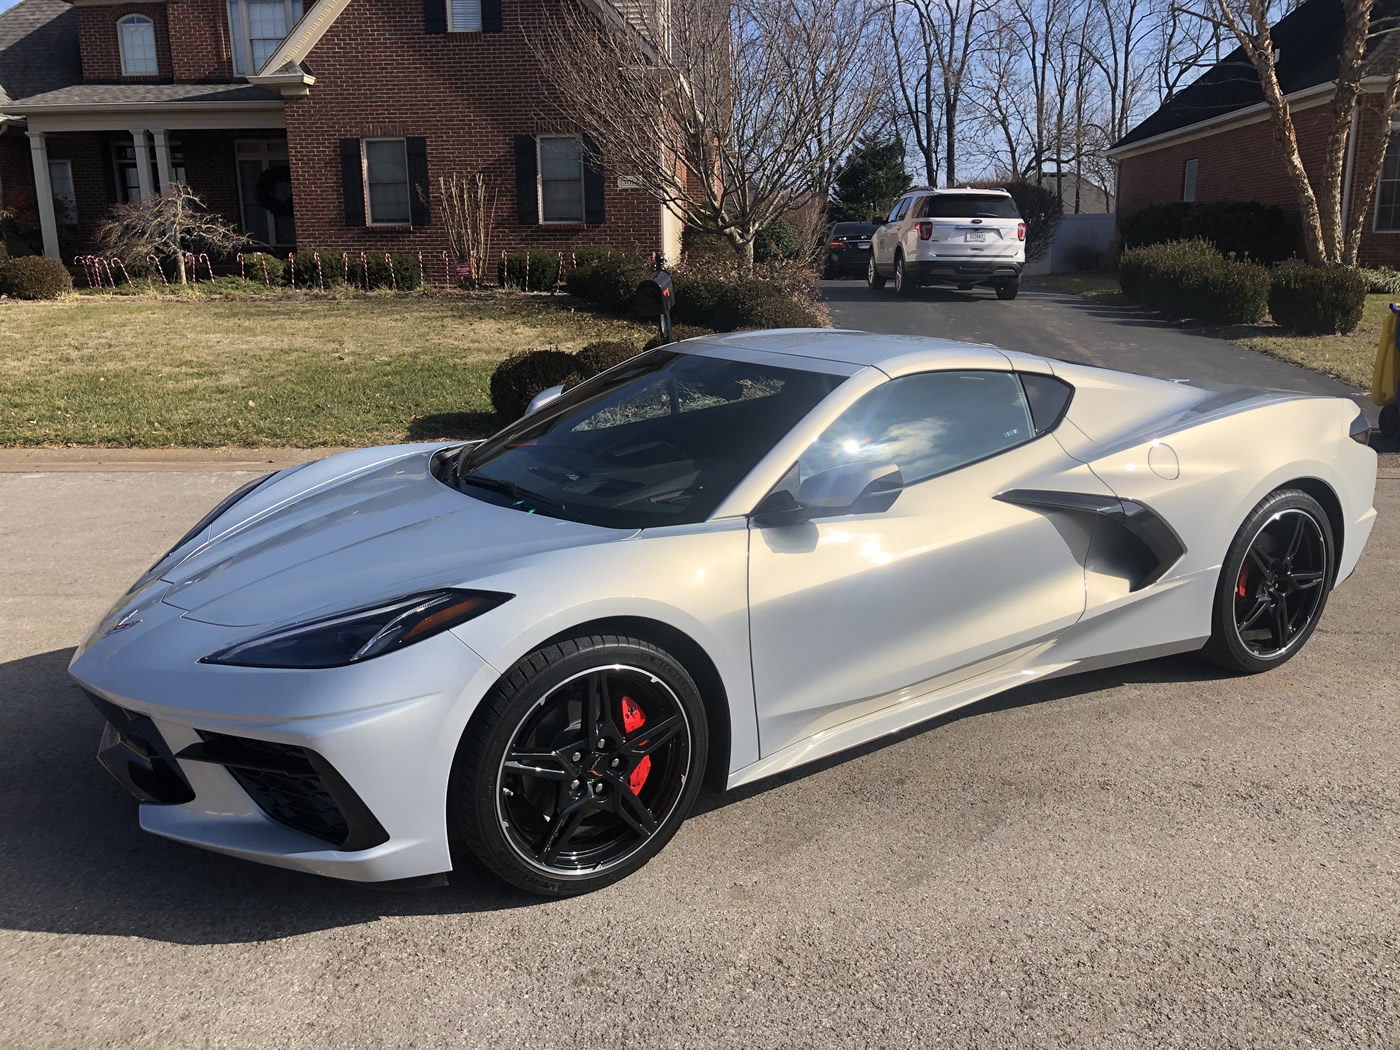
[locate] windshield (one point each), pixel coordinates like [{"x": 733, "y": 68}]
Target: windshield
[
  {"x": 968, "y": 206},
  {"x": 660, "y": 440}
]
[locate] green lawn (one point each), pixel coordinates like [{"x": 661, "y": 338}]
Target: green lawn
[
  {"x": 1349, "y": 357},
  {"x": 149, "y": 372},
  {"x": 1097, "y": 284}
]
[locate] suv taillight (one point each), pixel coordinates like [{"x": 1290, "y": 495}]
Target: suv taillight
[
  {"x": 925, "y": 230},
  {"x": 1020, "y": 231}
]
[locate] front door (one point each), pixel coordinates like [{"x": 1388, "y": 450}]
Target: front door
[{"x": 855, "y": 613}]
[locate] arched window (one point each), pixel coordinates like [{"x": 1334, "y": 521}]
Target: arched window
[{"x": 136, "y": 34}]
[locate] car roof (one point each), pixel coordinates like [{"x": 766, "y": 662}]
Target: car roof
[
  {"x": 984, "y": 191},
  {"x": 848, "y": 350}
]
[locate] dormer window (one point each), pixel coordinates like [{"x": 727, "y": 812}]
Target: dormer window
[
  {"x": 258, "y": 26},
  {"x": 136, "y": 39}
]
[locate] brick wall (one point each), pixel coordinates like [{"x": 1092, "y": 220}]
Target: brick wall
[
  {"x": 101, "y": 52},
  {"x": 378, "y": 73},
  {"x": 210, "y": 168},
  {"x": 1245, "y": 163},
  {"x": 200, "y": 45}
]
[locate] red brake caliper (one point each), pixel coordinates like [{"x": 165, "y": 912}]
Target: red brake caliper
[
  {"x": 632, "y": 720},
  {"x": 1244, "y": 571}
]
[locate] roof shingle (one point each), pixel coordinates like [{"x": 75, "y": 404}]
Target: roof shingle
[{"x": 38, "y": 48}]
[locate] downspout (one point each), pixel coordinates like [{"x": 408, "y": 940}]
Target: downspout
[{"x": 1350, "y": 161}]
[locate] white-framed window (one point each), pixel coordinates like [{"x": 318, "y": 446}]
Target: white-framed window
[
  {"x": 561, "y": 178},
  {"x": 464, "y": 16},
  {"x": 129, "y": 180},
  {"x": 386, "y": 182},
  {"x": 258, "y": 26},
  {"x": 1387, "y": 218},
  {"x": 65, "y": 197},
  {"x": 1188, "y": 181},
  {"x": 136, "y": 39}
]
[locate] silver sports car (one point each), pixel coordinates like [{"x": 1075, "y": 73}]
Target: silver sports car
[{"x": 721, "y": 559}]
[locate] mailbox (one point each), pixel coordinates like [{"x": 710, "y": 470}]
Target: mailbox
[{"x": 655, "y": 297}]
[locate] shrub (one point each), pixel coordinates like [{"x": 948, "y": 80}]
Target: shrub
[
  {"x": 706, "y": 249},
  {"x": 777, "y": 240},
  {"x": 678, "y": 332},
  {"x": 522, "y": 375},
  {"x": 1317, "y": 300},
  {"x": 34, "y": 277},
  {"x": 783, "y": 313},
  {"x": 406, "y": 274},
  {"x": 1191, "y": 279},
  {"x": 541, "y": 267},
  {"x": 1247, "y": 229},
  {"x": 1042, "y": 210},
  {"x": 1382, "y": 280},
  {"x": 609, "y": 281},
  {"x": 253, "y": 263},
  {"x": 602, "y": 355},
  {"x": 332, "y": 271}
]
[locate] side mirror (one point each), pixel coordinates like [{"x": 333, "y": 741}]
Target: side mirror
[
  {"x": 850, "y": 488},
  {"x": 543, "y": 398},
  {"x": 878, "y": 220}
]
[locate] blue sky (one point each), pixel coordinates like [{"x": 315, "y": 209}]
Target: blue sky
[{"x": 7, "y": 3}]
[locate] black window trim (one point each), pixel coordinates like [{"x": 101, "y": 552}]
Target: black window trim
[{"x": 1064, "y": 409}]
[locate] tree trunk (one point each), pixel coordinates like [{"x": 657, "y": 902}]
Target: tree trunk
[{"x": 180, "y": 266}]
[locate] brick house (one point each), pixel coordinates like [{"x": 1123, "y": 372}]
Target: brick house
[
  {"x": 1214, "y": 139},
  {"x": 325, "y": 128}
]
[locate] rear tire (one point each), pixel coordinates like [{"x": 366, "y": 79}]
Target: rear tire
[
  {"x": 1390, "y": 421},
  {"x": 558, "y": 786},
  {"x": 873, "y": 278},
  {"x": 1008, "y": 290},
  {"x": 903, "y": 287},
  {"x": 1273, "y": 585}
]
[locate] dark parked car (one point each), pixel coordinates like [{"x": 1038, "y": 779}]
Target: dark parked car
[{"x": 848, "y": 248}]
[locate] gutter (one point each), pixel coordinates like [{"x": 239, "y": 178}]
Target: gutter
[
  {"x": 1221, "y": 121},
  {"x": 146, "y": 107}
]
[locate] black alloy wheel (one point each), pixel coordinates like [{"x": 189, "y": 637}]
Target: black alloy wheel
[
  {"x": 586, "y": 763},
  {"x": 1274, "y": 583}
]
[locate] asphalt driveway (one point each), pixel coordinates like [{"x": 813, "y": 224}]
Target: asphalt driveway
[
  {"x": 1155, "y": 855},
  {"x": 1075, "y": 328}
]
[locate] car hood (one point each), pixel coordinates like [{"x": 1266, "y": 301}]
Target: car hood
[{"x": 334, "y": 536}]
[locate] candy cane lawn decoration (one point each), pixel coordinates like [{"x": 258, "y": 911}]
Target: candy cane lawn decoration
[
  {"x": 266, "y": 279},
  {"x": 393, "y": 280},
  {"x": 242, "y": 274},
  {"x": 103, "y": 263},
  {"x": 364, "y": 268},
  {"x": 118, "y": 261},
  {"x": 320, "y": 280},
  {"x": 159, "y": 269},
  {"x": 345, "y": 258},
  {"x": 446, "y": 270},
  {"x": 208, "y": 266},
  {"x": 505, "y": 267},
  {"x": 558, "y": 274},
  {"x": 422, "y": 273}
]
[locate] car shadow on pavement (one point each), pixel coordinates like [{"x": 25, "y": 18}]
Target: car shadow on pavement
[
  {"x": 73, "y": 859},
  {"x": 857, "y": 292},
  {"x": 1169, "y": 669}
]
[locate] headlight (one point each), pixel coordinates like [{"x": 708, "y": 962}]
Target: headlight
[{"x": 360, "y": 634}]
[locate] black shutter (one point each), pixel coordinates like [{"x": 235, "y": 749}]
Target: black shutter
[
  {"x": 435, "y": 16},
  {"x": 419, "y": 189},
  {"x": 594, "y": 210},
  {"x": 527, "y": 194},
  {"x": 490, "y": 16},
  {"x": 352, "y": 182}
]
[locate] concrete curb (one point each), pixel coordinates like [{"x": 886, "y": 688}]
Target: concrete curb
[{"x": 44, "y": 460}]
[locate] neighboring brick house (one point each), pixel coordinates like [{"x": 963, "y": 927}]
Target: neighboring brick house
[
  {"x": 1214, "y": 140},
  {"x": 329, "y": 128}
]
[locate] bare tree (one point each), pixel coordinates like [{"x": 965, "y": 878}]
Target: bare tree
[
  {"x": 167, "y": 225},
  {"x": 729, "y": 112},
  {"x": 1320, "y": 199},
  {"x": 947, "y": 33},
  {"x": 469, "y": 216},
  {"x": 918, "y": 101}
]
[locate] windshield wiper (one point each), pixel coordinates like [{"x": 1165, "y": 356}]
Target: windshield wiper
[{"x": 509, "y": 488}]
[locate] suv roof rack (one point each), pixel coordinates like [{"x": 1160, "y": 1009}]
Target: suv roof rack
[{"x": 958, "y": 189}]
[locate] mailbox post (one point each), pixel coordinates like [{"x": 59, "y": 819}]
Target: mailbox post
[{"x": 655, "y": 297}]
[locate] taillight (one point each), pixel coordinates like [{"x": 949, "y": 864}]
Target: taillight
[
  {"x": 925, "y": 229},
  {"x": 837, "y": 245},
  {"x": 1020, "y": 231}
]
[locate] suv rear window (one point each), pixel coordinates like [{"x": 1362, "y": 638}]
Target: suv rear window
[
  {"x": 852, "y": 229},
  {"x": 966, "y": 206}
]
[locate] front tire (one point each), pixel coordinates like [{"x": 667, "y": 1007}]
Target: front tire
[
  {"x": 873, "y": 278},
  {"x": 579, "y": 765},
  {"x": 1273, "y": 584}
]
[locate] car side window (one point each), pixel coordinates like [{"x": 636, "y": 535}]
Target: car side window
[
  {"x": 903, "y": 207},
  {"x": 1049, "y": 397},
  {"x": 926, "y": 424}
]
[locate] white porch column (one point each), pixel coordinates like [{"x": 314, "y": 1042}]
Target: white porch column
[
  {"x": 48, "y": 222},
  {"x": 143, "y": 161},
  {"x": 162, "y": 144}
]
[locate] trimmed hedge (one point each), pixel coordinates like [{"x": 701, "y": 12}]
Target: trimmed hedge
[
  {"x": 332, "y": 271},
  {"x": 1192, "y": 279},
  {"x": 678, "y": 332},
  {"x": 1248, "y": 229},
  {"x": 521, "y": 376},
  {"x": 609, "y": 281},
  {"x": 541, "y": 267},
  {"x": 1317, "y": 300},
  {"x": 602, "y": 355},
  {"x": 34, "y": 277},
  {"x": 723, "y": 305}
]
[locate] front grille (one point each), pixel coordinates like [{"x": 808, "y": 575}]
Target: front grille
[
  {"x": 294, "y": 786},
  {"x": 135, "y": 753}
]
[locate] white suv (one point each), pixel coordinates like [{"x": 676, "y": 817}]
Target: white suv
[{"x": 961, "y": 237}]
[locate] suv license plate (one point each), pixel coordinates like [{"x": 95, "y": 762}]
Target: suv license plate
[{"x": 977, "y": 235}]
